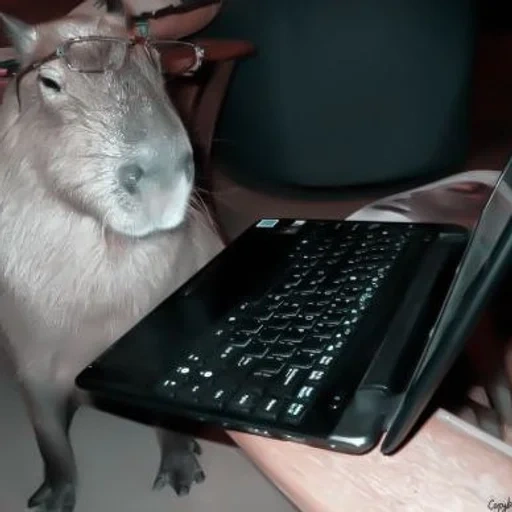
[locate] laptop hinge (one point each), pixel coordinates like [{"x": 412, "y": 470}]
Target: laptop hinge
[
  {"x": 408, "y": 330},
  {"x": 393, "y": 403},
  {"x": 375, "y": 401}
]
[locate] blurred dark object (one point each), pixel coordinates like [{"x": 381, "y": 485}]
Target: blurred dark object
[
  {"x": 348, "y": 93},
  {"x": 184, "y": 6},
  {"x": 9, "y": 67},
  {"x": 495, "y": 15}
]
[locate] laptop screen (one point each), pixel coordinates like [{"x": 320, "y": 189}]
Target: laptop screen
[
  {"x": 485, "y": 259},
  {"x": 494, "y": 221}
]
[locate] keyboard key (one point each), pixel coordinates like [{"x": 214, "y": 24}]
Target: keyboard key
[
  {"x": 248, "y": 325},
  {"x": 279, "y": 323},
  {"x": 306, "y": 393},
  {"x": 222, "y": 333},
  {"x": 178, "y": 377},
  {"x": 256, "y": 350},
  {"x": 189, "y": 394},
  {"x": 168, "y": 388},
  {"x": 246, "y": 362},
  {"x": 228, "y": 355},
  {"x": 315, "y": 281},
  {"x": 344, "y": 297},
  {"x": 288, "y": 310},
  {"x": 294, "y": 413},
  {"x": 334, "y": 347},
  {"x": 281, "y": 351},
  {"x": 319, "y": 273},
  {"x": 244, "y": 401},
  {"x": 294, "y": 275},
  {"x": 332, "y": 319},
  {"x": 269, "y": 408},
  {"x": 312, "y": 309},
  {"x": 262, "y": 314},
  {"x": 215, "y": 396},
  {"x": 193, "y": 359},
  {"x": 244, "y": 306},
  {"x": 282, "y": 290},
  {"x": 240, "y": 339},
  {"x": 304, "y": 321},
  {"x": 336, "y": 308},
  {"x": 268, "y": 335},
  {"x": 323, "y": 330},
  {"x": 270, "y": 366},
  {"x": 313, "y": 344},
  {"x": 293, "y": 335},
  {"x": 316, "y": 376},
  {"x": 307, "y": 291},
  {"x": 259, "y": 381},
  {"x": 288, "y": 383},
  {"x": 206, "y": 376},
  {"x": 304, "y": 360},
  {"x": 273, "y": 301},
  {"x": 326, "y": 361},
  {"x": 300, "y": 269}
]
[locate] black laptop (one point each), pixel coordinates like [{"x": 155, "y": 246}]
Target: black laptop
[{"x": 331, "y": 333}]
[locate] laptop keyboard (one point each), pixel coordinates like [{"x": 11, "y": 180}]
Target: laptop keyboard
[{"x": 270, "y": 358}]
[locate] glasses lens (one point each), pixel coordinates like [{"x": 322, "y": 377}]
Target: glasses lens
[
  {"x": 177, "y": 58},
  {"x": 96, "y": 55}
]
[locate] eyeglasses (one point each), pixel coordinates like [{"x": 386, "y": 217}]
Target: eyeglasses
[{"x": 98, "y": 54}]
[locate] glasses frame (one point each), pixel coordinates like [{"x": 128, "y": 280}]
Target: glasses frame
[{"x": 148, "y": 43}]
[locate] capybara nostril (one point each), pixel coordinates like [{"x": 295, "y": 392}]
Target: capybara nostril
[{"x": 129, "y": 177}]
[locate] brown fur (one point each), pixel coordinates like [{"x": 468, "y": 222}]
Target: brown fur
[{"x": 81, "y": 260}]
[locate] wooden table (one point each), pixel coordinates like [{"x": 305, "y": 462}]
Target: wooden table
[{"x": 449, "y": 466}]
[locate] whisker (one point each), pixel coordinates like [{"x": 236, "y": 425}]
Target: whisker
[
  {"x": 104, "y": 225},
  {"x": 199, "y": 211},
  {"x": 218, "y": 195}
]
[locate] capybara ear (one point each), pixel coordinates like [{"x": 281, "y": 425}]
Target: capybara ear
[
  {"x": 117, "y": 10},
  {"x": 22, "y": 36}
]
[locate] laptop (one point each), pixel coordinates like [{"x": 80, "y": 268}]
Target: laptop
[{"x": 331, "y": 333}]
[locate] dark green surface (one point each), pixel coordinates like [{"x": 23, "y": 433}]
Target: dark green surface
[{"x": 347, "y": 92}]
